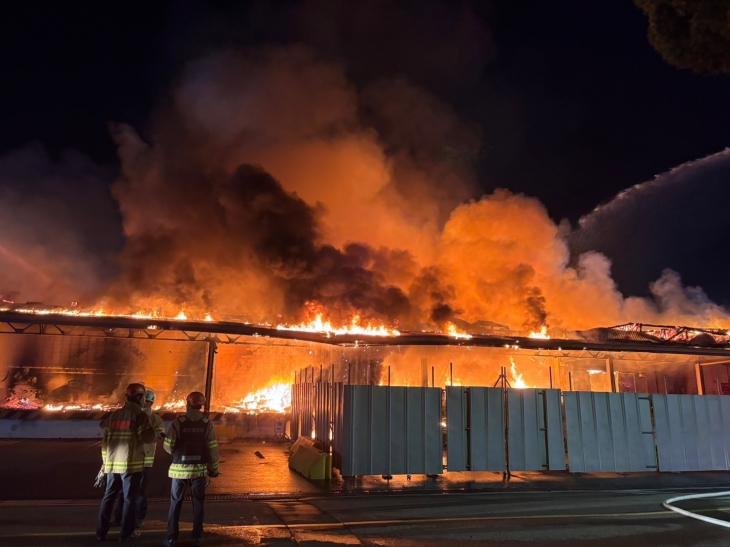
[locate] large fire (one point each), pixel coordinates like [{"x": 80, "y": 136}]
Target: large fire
[
  {"x": 542, "y": 333},
  {"x": 273, "y": 399},
  {"x": 517, "y": 381},
  {"x": 321, "y": 325},
  {"x": 456, "y": 333}
]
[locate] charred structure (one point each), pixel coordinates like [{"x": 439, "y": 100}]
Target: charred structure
[{"x": 52, "y": 361}]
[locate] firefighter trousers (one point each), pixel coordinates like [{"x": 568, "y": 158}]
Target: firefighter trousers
[
  {"x": 141, "y": 505},
  {"x": 177, "y": 492},
  {"x": 129, "y": 484}
]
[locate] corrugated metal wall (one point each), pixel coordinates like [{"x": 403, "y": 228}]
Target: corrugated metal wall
[
  {"x": 692, "y": 432},
  {"x": 534, "y": 430},
  {"x": 609, "y": 432},
  {"x": 391, "y": 430},
  {"x": 475, "y": 429}
]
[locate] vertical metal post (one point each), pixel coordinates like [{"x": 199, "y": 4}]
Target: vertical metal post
[
  {"x": 451, "y": 367},
  {"x": 611, "y": 373},
  {"x": 349, "y": 372},
  {"x": 550, "y": 368},
  {"x": 321, "y": 372},
  {"x": 433, "y": 376},
  {"x": 505, "y": 405},
  {"x": 700, "y": 379},
  {"x": 212, "y": 350},
  {"x": 570, "y": 380}
]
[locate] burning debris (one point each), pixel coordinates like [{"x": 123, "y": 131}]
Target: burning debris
[
  {"x": 274, "y": 399},
  {"x": 456, "y": 333},
  {"x": 320, "y": 325},
  {"x": 542, "y": 334},
  {"x": 516, "y": 381}
]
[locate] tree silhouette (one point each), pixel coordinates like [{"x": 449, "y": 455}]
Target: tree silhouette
[{"x": 692, "y": 34}]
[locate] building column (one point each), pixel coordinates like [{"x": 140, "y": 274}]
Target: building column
[
  {"x": 700, "y": 380},
  {"x": 611, "y": 374}
]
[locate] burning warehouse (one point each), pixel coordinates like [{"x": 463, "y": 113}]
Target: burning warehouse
[
  {"x": 56, "y": 362},
  {"x": 278, "y": 224}
]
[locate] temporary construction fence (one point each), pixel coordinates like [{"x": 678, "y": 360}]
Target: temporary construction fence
[
  {"x": 493, "y": 429},
  {"x": 609, "y": 432},
  {"x": 692, "y": 432},
  {"x": 390, "y": 430}
]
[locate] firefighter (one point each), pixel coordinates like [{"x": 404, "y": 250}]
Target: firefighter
[
  {"x": 191, "y": 441},
  {"x": 149, "y": 458},
  {"x": 122, "y": 451}
]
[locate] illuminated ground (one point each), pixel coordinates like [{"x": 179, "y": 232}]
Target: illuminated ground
[
  {"x": 65, "y": 470},
  {"x": 258, "y": 501},
  {"x": 546, "y": 519}
]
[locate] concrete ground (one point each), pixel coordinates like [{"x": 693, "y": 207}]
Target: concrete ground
[
  {"x": 593, "y": 519},
  {"x": 61, "y": 469},
  {"x": 48, "y": 499}
]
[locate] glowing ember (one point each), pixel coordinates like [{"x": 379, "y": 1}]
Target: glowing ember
[
  {"x": 275, "y": 398},
  {"x": 542, "y": 334},
  {"x": 85, "y": 407},
  {"x": 175, "y": 406},
  {"x": 18, "y": 403},
  {"x": 319, "y": 325},
  {"x": 455, "y": 333},
  {"x": 517, "y": 381},
  {"x": 79, "y": 312}
]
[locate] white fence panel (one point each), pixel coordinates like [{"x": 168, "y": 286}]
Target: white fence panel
[
  {"x": 475, "y": 429},
  {"x": 535, "y": 430},
  {"x": 692, "y": 432},
  {"x": 391, "y": 430},
  {"x": 607, "y": 432}
]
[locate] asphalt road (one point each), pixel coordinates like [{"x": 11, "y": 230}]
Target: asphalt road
[
  {"x": 511, "y": 519},
  {"x": 47, "y": 499},
  {"x": 66, "y": 469}
]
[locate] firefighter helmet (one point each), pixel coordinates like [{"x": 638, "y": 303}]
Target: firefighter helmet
[
  {"x": 149, "y": 395},
  {"x": 135, "y": 390},
  {"x": 196, "y": 399}
]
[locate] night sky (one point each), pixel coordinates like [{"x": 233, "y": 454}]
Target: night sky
[{"x": 572, "y": 102}]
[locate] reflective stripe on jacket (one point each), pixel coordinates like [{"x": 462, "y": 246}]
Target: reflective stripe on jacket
[
  {"x": 192, "y": 470},
  {"x": 150, "y": 448},
  {"x": 125, "y": 432}
]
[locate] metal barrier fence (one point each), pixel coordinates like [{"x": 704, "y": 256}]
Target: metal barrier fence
[
  {"x": 371, "y": 430},
  {"x": 535, "y": 430},
  {"x": 692, "y": 432},
  {"x": 388, "y": 430},
  {"x": 475, "y": 429},
  {"x": 609, "y": 432}
]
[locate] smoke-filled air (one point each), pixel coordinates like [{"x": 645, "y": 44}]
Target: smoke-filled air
[{"x": 271, "y": 188}]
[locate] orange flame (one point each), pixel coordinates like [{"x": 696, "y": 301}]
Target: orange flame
[
  {"x": 542, "y": 334},
  {"x": 452, "y": 331},
  {"x": 517, "y": 381},
  {"x": 320, "y": 325},
  {"x": 274, "y": 399}
]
